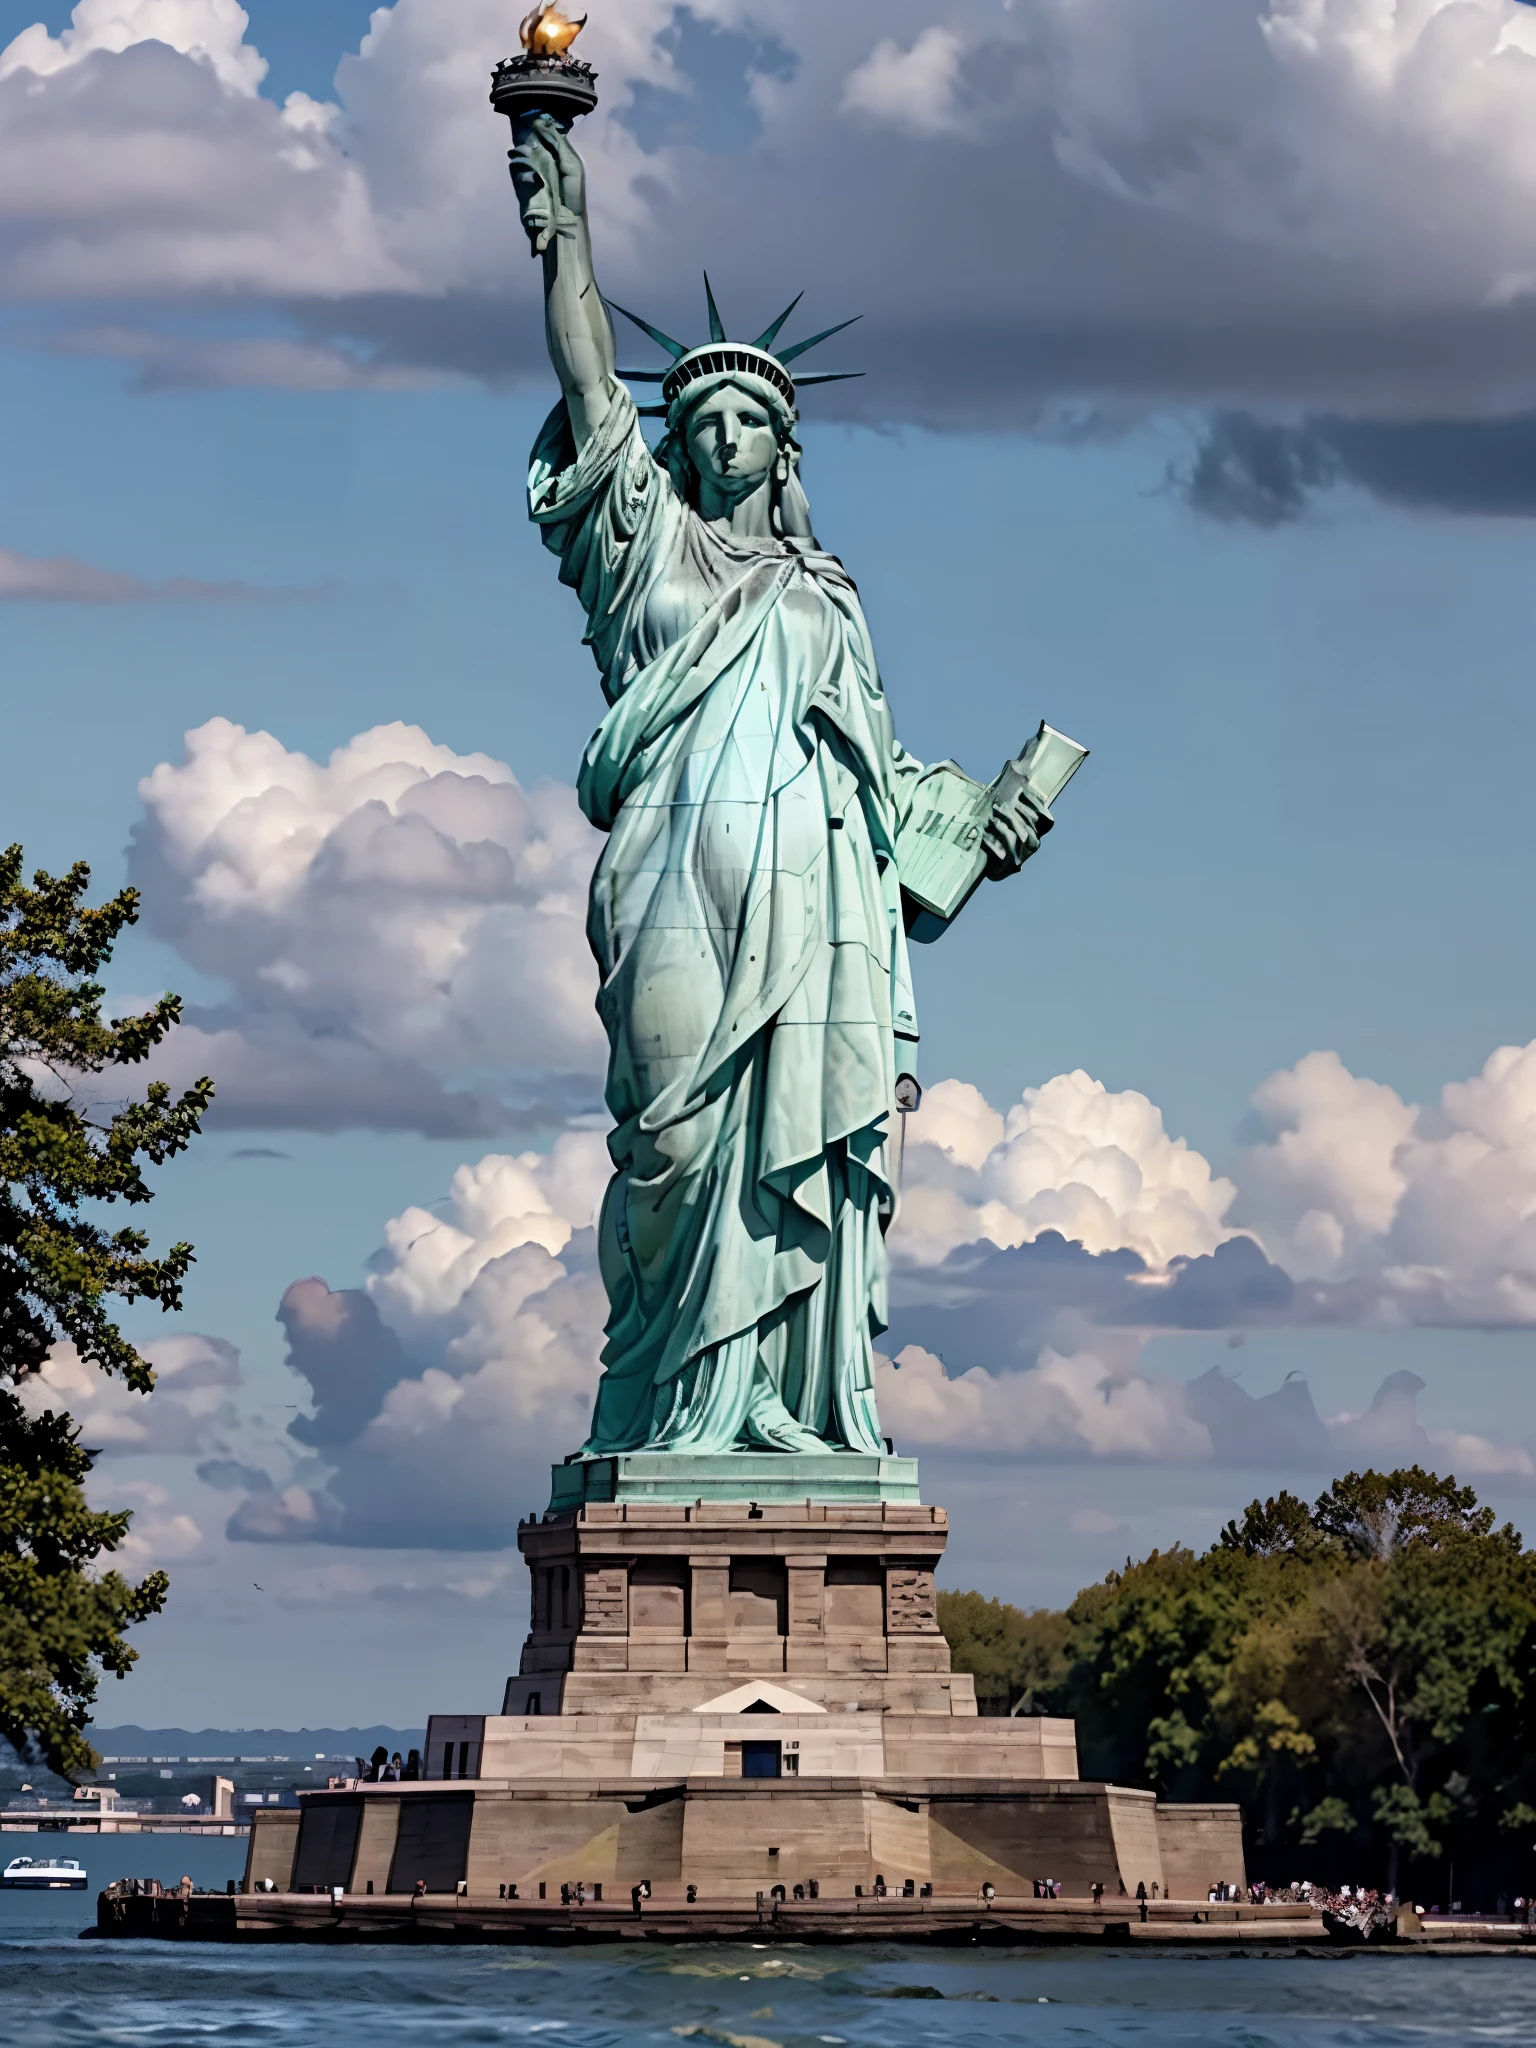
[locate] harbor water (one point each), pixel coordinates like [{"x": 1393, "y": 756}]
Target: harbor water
[{"x": 57, "y": 1991}]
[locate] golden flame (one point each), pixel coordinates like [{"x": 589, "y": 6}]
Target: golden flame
[{"x": 548, "y": 33}]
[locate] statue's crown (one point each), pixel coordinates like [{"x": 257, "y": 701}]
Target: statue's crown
[{"x": 719, "y": 357}]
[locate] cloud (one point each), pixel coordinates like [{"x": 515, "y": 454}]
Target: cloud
[
  {"x": 1267, "y": 473},
  {"x": 1431, "y": 1213},
  {"x": 917, "y": 88},
  {"x": 154, "y": 1538},
  {"x": 1282, "y": 1427},
  {"x": 400, "y": 930},
  {"x": 139, "y": 159},
  {"x": 995, "y": 1308},
  {"x": 1210, "y": 203},
  {"x": 171, "y": 362},
  {"x": 443, "y": 1392},
  {"x": 211, "y": 31},
  {"x": 1072, "y": 1157},
  {"x": 1039, "y": 1251},
  {"x": 188, "y": 1411},
  {"x": 350, "y": 1358},
  {"x": 1096, "y": 1403},
  {"x": 229, "y": 1475},
  {"x": 60, "y": 579},
  {"x": 1083, "y": 1404},
  {"x": 1356, "y": 1208},
  {"x": 1095, "y": 1522}
]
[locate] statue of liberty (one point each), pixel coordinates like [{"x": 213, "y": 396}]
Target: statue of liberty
[{"x": 747, "y": 912}]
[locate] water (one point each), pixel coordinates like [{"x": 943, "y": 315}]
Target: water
[{"x": 59, "y": 1992}]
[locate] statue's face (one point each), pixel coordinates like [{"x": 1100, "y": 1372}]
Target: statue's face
[{"x": 732, "y": 441}]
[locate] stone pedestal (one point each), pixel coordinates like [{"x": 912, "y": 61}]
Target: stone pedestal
[
  {"x": 647, "y": 1606},
  {"x": 734, "y": 1678}
]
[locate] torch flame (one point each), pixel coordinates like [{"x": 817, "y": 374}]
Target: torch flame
[{"x": 548, "y": 33}]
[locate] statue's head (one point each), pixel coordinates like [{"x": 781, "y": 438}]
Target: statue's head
[
  {"x": 735, "y": 430},
  {"x": 730, "y": 412}
]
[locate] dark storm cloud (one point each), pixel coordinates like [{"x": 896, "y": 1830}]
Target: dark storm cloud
[
  {"x": 350, "y": 1358},
  {"x": 1216, "y": 206},
  {"x": 1278, "y": 1428},
  {"x": 996, "y": 1308},
  {"x": 229, "y": 1475},
  {"x": 1246, "y": 469}
]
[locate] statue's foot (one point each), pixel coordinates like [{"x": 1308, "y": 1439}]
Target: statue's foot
[{"x": 769, "y": 1426}]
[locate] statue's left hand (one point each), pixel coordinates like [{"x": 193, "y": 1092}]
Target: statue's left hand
[{"x": 1013, "y": 832}]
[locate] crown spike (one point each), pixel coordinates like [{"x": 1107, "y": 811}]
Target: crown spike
[
  {"x": 770, "y": 333},
  {"x": 716, "y": 324},
  {"x": 673, "y": 348},
  {"x": 787, "y": 355},
  {"x": 826, "y": 377}
]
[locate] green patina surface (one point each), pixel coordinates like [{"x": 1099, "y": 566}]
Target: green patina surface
[
  {"x": 682, "y": 1477},
  {"x": 747, "y": 913}
]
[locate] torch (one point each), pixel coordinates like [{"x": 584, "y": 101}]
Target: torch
[{"x": 544, "y": 79}]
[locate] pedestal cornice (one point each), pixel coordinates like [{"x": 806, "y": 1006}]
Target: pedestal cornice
[{"x": 680, "y": 1477}]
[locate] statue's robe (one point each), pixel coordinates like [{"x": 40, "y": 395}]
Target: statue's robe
[{"x": 746, "y": 919}]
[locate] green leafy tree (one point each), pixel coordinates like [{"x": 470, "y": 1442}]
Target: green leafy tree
[
  {"x": 66, "y": 1153},
  {"x": 1376, "y": 1515},
  {"x": 1360, "y": 1674},
  {"x": 1019, "y": 1656}
]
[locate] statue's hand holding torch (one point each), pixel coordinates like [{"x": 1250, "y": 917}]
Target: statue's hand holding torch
[
  {"x": 550, "y": 180},
  {"x": 541, "y": 92}
]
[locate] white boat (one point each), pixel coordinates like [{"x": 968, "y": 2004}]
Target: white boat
[{"x": 43, "y": 1874}]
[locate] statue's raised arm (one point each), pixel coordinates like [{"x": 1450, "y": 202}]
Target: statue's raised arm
[{"x": 551, "y": 184}]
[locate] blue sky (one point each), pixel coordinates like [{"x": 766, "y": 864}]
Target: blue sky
[{"x": 1292, "y": 623}]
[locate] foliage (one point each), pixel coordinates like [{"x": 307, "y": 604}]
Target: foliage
[
  {"x": 1328, "y": 1817},
  {"x": 65, "y": 1153},
  {"x": 1359, "y": 1674},
  {"x": 1018, "y": 1655}
]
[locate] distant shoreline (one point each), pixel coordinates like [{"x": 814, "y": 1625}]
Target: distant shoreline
[{"x": 212, "y": 1744}]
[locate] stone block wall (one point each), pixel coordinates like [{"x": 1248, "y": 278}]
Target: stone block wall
[
  {"x": 1201, "y": 1845},
  {"x": 269, "y": 1850},
  {"x": 629, "y": 1597}
]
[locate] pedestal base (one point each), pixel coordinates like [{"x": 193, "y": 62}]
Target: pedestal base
[
  {"x": 735, "y": 1680},
  {"x": 736, "y": 1838}
]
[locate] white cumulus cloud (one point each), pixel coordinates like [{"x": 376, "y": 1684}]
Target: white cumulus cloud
[
  {"x": 400, "y": 929},
  {"x": 497, "y": 1314},
  {"x": 1089, "y": 1403},
  {"x": 158, "y": 1534},
  {"x": 1096, "y": 1402},
  {"x": 444, "y": 1388},
  {"x": 189, "y": 1410},
  {"x": 211, "y": 31},
  {"x": 138, "y": 157},
  {"x": 1071, "y": 1156},
  {"x": 1434, "y": 1209}
]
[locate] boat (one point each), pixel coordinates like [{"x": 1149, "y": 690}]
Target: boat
[{"x": 43, "y": 1874}]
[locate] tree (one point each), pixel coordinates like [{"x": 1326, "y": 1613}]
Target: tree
[
  {"x": 1017, "y": 1655},
  {"x": 1375, "y": 1515},
  {"x": 1360, "y": 1674},
  {"x": 65, "y": 1152}
]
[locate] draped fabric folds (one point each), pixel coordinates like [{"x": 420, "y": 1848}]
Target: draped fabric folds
[{"x": 746, "y": 919}]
